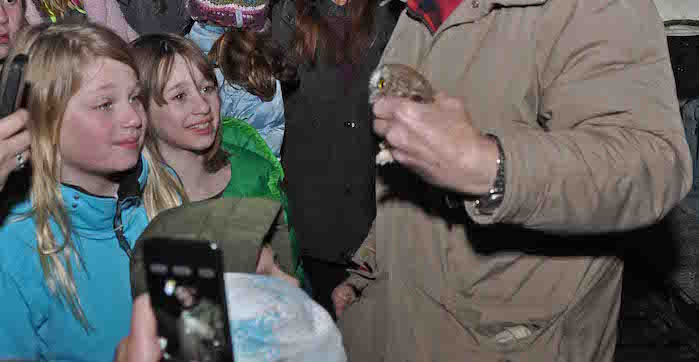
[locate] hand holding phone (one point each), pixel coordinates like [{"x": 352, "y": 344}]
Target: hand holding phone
[
  {"x": 186, "y": 288},
  {"x": 141, "y": 345},
  {"x": 12, "y": 85}
]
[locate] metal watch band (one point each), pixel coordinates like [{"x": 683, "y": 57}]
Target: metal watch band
[{"x": 488, "y": 203}]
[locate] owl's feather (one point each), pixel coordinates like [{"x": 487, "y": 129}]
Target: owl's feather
[{"x": 397, "y": 80}]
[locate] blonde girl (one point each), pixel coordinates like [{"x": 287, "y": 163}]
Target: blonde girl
[{"x": 64, "y": 262}]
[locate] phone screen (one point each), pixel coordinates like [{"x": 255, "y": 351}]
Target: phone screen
[{"x": 186, "y": 287}]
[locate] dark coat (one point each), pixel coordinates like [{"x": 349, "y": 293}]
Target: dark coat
[
  {"x": 140, "y": 15},
  {"x": 329, "y": 146}
]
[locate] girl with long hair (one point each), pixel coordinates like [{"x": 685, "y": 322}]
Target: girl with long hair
[
  {"x": 64, "y": 263},
  {"x": 209, "y": 157},
  {"x": 186, "y": 127}
]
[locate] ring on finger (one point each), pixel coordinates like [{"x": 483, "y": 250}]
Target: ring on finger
[{"x": 20, "y": 161}]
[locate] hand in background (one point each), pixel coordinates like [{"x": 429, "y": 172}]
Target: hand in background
[
  {"x": 141, "y": 345},
  {"x": 343, "y": 296},
  {"x": 267, "y": 265},
  {"x": 14, "y": 144}
]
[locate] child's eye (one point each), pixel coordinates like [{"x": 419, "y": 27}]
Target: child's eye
[
  {"x": 136, "y": 98},
  {"x": 106, "y": 106},
  {"x": 179, "y": 97},
  {"x": 208, "y": 89}
]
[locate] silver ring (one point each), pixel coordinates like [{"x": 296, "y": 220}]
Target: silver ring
[{"x": 20, "y": 161}]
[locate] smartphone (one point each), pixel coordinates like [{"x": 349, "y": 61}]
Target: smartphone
[
  {"x": 13, "y": 88},
  {"x": 187, "y": 293}
]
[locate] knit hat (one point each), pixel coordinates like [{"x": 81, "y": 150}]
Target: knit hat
[
  {"x": 271, "y": 320},
  {"x": 248, "y": 14}
]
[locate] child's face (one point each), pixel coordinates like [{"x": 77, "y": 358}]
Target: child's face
[
  {"x": 11, "y": 20},
  {"x": 190, "y": 118},
  {"x": 103, "y": 125}
]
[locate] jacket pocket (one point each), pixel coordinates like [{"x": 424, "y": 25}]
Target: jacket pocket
[{"x": 510, "y": 301}]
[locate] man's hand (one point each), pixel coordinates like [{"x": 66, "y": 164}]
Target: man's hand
[
  {"x": 343, "y": 296},
  {"x": 141, "y": 345},
  {"x": 438, "y": 142}
]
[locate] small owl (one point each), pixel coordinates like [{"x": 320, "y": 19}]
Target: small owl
[{"x": 397, "y": 80}]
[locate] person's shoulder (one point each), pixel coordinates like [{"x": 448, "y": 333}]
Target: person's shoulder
[
  {"x": 18, "y": 235},
  {"x": 17, "y": 223},
  {"x": 238, "y": 154}
]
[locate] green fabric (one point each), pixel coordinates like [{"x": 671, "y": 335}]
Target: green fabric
[
  {"x": 256, "y": 172},
  {"x": 238, "y": 224}
]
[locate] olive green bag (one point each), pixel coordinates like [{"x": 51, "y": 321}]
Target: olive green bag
[{"x": 240, "y": 226}]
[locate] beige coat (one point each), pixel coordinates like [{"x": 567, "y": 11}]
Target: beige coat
[{"x": 581, "y": 95}]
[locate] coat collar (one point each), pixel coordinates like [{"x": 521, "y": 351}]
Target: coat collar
[
  {"x": 96, "y": 213},
  {"x": 473, "y": 10}
]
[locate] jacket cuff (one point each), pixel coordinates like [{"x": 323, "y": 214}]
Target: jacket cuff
[
  {"x": 364, "y": 258},
  {"x": 513, "y": 207}
]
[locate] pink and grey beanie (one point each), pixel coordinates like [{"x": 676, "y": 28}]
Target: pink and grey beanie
[{"x": 248, "y": 14}]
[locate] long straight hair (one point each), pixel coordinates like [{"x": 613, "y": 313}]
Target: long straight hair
[
  {"x": 313, "y": 32},
  {"x": 155, "y": 57},
  {"x": 58, "y": 54}
]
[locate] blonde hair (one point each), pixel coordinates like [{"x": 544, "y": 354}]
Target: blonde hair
[{"x": 57, "y": 54}]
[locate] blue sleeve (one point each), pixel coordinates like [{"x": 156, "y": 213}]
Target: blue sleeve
[
  {"x": 273, "y": 132},
  {"x": 18, "y": 339}
]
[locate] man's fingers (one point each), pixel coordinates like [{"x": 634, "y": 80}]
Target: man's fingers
[
  {"x": 381, "y": 127},
  {"x": 16, "y": 144},
  {"x": 413, "y": 162},
  {"x": 13, "y": 123},
  {"x": 452, "y": 103},
  {"x": 386, "y": 106},
  {"x": 409, "y": 143}
]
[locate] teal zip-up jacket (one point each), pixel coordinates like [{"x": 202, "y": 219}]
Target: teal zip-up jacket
[{"x": 34, "y": 325}]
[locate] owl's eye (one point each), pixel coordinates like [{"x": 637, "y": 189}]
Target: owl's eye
[{"x": 381, "y": 83}]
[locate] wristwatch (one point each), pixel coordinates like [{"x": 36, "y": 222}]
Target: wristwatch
[{"x": 488, "y": 203}]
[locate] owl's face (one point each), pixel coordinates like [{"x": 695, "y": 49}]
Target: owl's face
[
  {"x": 398, "y": 80},
  {"x": 377, "y": 84}
]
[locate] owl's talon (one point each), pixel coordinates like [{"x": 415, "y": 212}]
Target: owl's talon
[{"x": 384, "y": 156}]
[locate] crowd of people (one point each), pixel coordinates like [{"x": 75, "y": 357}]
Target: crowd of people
[{"x": 555, "y": 129}]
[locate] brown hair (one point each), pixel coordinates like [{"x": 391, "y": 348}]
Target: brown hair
[
  {"x": 251, "y": 60},
  {"x": 313, "y": 32},
  {"x": 155, "y": 57}
]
